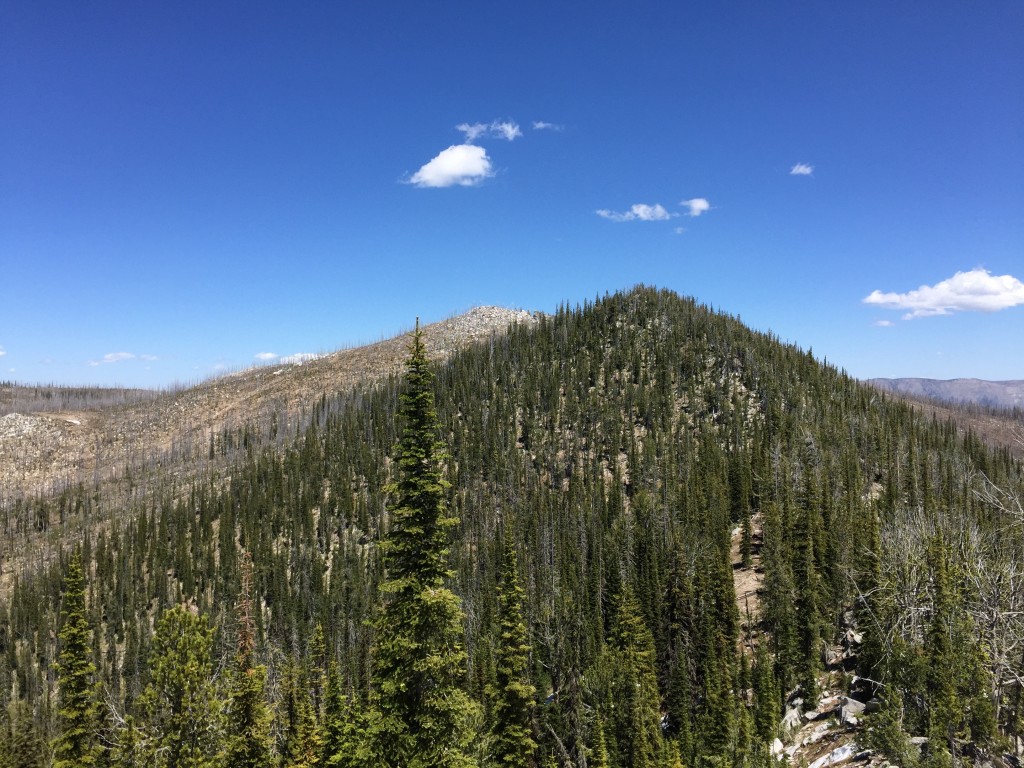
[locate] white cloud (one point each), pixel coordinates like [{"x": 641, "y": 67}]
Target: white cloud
[
  {"x": 299, "y": 357},
  {"x": 680, "y": 230},
  {"x": 697, "y": 206},
  {"x": 2, "y": 351},
  {"x": 638, "y": 212},
  {"x": 461, "y": 164},
  {"x": 507, "y": 130},
  {"x": 883, "y": 323},
  {"x": 801, "y": 169},
  {"x": 974, "y": 291},
  {"x": 473, "y": 131},
  {"x": 117, "y": 357},
  {"x": 265, "y": 356},
  {"x": 497, "y": 129},
  {"x": 543, "y": 125}
]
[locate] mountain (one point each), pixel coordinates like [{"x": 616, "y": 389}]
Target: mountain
[
  {"x": 993, "y": 394},
  {"x": 53, "y": 437},
  {"x": 711, "y": 531}
]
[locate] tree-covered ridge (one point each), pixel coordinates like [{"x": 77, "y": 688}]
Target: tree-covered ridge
[{"x": 614, "y": 447}]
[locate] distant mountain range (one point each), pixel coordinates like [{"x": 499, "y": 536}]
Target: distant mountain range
[{"x": 995, "y": 394}]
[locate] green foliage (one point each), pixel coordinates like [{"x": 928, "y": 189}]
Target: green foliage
[
  {"x": 631, "y": 688},
  {"x": 343, "y": 726},
  {"x": 886, "y": 735},
  {"x": 513, "y": 693},
  {"x": 421, "y": 711},
  {"x": 617, "y": 443},
  {"x": 27, "y": 749},
  {"x": 247, "y": 721},
  {"x": 78, "y": 711},
  {"x": 767, "y": 700},
  {"x": 179, "y": 713}
]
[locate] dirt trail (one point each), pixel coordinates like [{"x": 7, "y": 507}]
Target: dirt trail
[{"x": 747, "y": 581}]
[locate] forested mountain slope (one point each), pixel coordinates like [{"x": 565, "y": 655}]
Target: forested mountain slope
[
  {"x": 52, "y": 437},
  {"x": 612, "y": 449}
]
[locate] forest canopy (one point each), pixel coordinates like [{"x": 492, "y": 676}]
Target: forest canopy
[{"x": 549, "y": 520}]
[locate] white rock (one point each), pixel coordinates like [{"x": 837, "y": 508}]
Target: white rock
[
  {"x": 836, "y": 756},
  {"x": 818, "y": 734},
  {"x": 852, "y": 706},
  {"x": 791, "y": 719}
]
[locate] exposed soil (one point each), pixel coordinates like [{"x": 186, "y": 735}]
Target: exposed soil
[{"x": 747, "y": 581}]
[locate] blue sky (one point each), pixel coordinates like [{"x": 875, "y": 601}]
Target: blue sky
[{"x": 186, "y": 187}]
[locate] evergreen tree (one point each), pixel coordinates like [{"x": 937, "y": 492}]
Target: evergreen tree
[
  {"x": 302, "y": 743},
  {"x": 248, "y": 719},
  {"x": 178, "y": 712},
  {"x": 421, "y": 712},
  {"x": 766, "y": 695},
  {"x": 635, "y": 719},
  {"x": 341, "y": 731},
  {"x": 599, "y": 752},
  {"x": 78, "y": 744},
  {"x": 513, "y": 692},
  {"x": 27, "y": 748}
]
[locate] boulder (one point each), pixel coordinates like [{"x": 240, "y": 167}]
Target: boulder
[
  {"x": 791, "y": 720},
  {"x": 850, "y": 710},
  {"x": 837, "y": 755}
]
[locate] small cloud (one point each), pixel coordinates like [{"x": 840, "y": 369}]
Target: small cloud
[
  {"x": 497, "y": 129},
  {"x": 464, "y": 165},
  {"x": 543, "y": 125},
  {"x": 2, "y": 351},
  {"x": 883, "y": 323},
  {"x": 801, "y": 169},
  {"x": 507, "y": 131},
  {"x": 473, "y": 131},
  {"x": 265, "y": 356},
  {"x": 117, "y": 357},
  {"x": 680, "y": 230},
  {"x": 299, "y": 357},
  {"x": 974, "y": 291},
  {"x": 638, "y": 212},
  {"x": 697, "y": 206}
]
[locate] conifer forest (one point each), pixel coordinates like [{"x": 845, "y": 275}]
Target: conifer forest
[{"x": 527, "y": 555}]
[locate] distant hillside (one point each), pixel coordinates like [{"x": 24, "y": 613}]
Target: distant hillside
[
  {"x": 994, "y": 394},
  {"x": 55, "y": 437}
]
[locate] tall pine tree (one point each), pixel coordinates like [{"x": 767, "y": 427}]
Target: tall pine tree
[
  {"x": 248, "y": 720},
  {"x": 178, "y": 712},
  {"x": 421, "y": 711},
  {"x": 513, "y": 693},
  {"x": 78, "y": 744}
]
